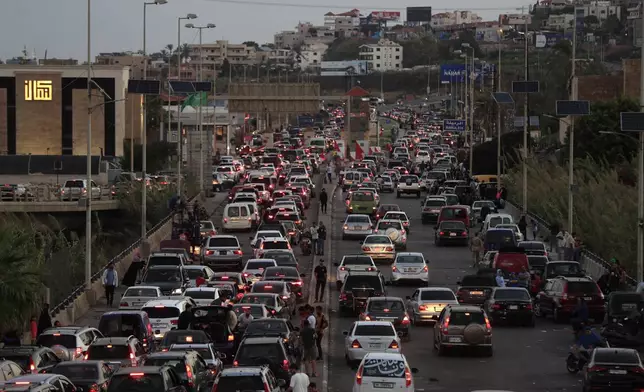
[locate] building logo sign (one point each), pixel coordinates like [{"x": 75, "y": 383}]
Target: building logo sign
[{"x": 39, "y": 90}]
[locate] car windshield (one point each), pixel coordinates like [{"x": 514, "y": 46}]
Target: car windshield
[
  {"x": 162, "y": 275},
  {"x": 164, "y": 260},
  {"x": 386, "y": 305},
  {"x": 377, "y": 239},
  {"x": 374, "y": 330},
  {"x": 357, "y": 219},
  {"x": 267, "y": 300},
  {"x": 517, "y": 295},
  {"x": 50, "y": 340},
  {"x": 206, "y": 225},
  {"x": 215, "y": 242},
  {"x": 77, "y": 371},
  {"x": 200, "y": 294},
  {"x": 466, "y": 318},
  {"x": 140, "y": 292},
  {"x": 281, "y": 258},
  {"x": 255, "y": 311},
  {"x": 362, "y": 196},
  {"x": 364, "y": 281},
  {"x": 409, "y": 259},
  {"x": 259, "y": 265},
  {"x": 617, "y": 357},
  {"x": 384, "y": 368},
  {"x": 563, "y": 269},
  {"x": 452, "y": 226},
  {"x": 384, "y": 225},
  {"x": 437, "y": 295},
  {"x": 267, "y": 325},
  {"x": 137, "y": 382},
  {"x": 162, "y": 312},
  {"x": 454, "y": 213},
  {"x": 108, "y": 352}
]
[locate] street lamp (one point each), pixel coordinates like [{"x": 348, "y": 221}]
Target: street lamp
[
  {"x": 179, "y": 134},
  {"x": 88, "y": 209},
  {"x": 202, "y": 184},
  {"x": 144, "y": 130}
]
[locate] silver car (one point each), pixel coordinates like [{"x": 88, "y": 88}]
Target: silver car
[
  {"x": 370, "y": 336},
  {"x": 356, "y": 225},
  {"x": 136, "y": 296},
  {"x": 379, "y": 247},
  {"x": 427, "y": 303},
  {"x": 222, "y": 252},
  {"x": 386, "y": 184}
]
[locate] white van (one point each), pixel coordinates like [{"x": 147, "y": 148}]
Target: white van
[
  {"x": 493, "y": 220},
  {"x": 164, "y": 313},
  {"x": 237, "y": 216},
  {"x": 254, "y": 209}
]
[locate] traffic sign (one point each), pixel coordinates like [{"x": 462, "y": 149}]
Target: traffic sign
[
  {"x": 632, "y": 121},
  {"x": 454, "y": 125},
  {"x": 145, "y": 87},
  {"x": 525, "y": 87},
  {"x": 573, "y": 108}
]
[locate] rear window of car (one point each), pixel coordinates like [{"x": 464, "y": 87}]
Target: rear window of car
[
  {"x": 162, "y": 275},
  {"x": 136, "y": 292},
  {"x": 362, "y": 196},
  {"x": 77, "y": 371},
  {"x": 583, "y": 287},
  {"x": 178, "y": 364},
  {"x": 233, "y": 211},
  {"x": 162, "y": 312},
  {"x": 240, "y": 383},
  {"x": 452, "y": 226},
  {"x": 357, "y": 219},
  {"x": 288, "y": 216},
  {"x": 274, "y": 245},
  {"x": 255, "y": 311},
  {"x": 48, "y": 340},
  {"x": 164, "y": 260},
  {"x": 437, "y": 295},
  {"x": 281, "y": 272},
  {"x": 511, "y": 295},
  {"x": 260, "y": 264},
  {"x": 200, "y": 294},
  {"x": 281, "y": 258},
  {"x": 267, "y": 300},
  {"x": 466, "y": 318},
  {"x": 374, "y": 330},
  {"x": 145, "y": 383},
  {"x": 185, "y": 337},
  {"x": 616, "y": 356},
  {"x": 409, "y": 259},
  {"x": 267, "y": 326},
  {"x": 396, "y": 215},
  {"x": 384, "y": 225},
  {"x": 74, "y": 184},
  {"x": 21, "y": 359},
  {"x": 268, "y": 351},
  {"x": 268, "y": 287},
  {"x": 435, "y": 203},
  {"x": 369, "y": 281},
  {"x": 107, "y": 352},
  {"x": 379, "y": 239},
  {"x": 215, "y": 242},
  {"x": 454, "y": 213},
  {"x": 357, "y": 260},
  {"x": 383, "y": 368}
]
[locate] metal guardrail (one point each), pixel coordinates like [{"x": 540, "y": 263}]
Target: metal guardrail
[
  {"x": 42, "y": 193},
  {"x": 587, "y": 255}
]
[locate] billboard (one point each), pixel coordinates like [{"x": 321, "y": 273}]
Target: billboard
[
  {"x": 514, "y": 19},
  {"x": 548, "y": 40},
  {"x": 419, "y": 14},
  {"x": 455, "y": 73},
  {"x": 454, "y": 125},
  {"x": 343, "y": 68},
  {"x": 385, "y": 15}
]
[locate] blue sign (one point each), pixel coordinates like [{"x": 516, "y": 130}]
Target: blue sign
[{"x": 454, "y": 125}]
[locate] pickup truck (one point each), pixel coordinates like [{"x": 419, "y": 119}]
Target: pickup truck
[{"x": 408, "y": 184}]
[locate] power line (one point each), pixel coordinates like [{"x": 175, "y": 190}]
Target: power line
[{"x": 335, "y": 6}]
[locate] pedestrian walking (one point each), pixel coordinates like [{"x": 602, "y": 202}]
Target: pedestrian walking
[
  {"x": 110, "y": 282},
  {"x": 476, "y": 245},
  {"x": 315, "y": 236},
  {"x": 309, "y": 355},
  {"x": 320, "y": 281},
  {"x": 321, "y": 239},
  {"x": 324, "y": 198},
  {"x": 329, "y": 173},
  {"x": 299, "y": 380},
  {"x": 320, "y": 327},
  {"x": 44, "y": 320},
  {"x": 535, "y": 229},
  {"x": 523, "y": 227}
]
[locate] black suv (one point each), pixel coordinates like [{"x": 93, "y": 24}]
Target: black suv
[
  {"x": 146, "y": 378},
  {"x": 183, "y": 336},
  {"x": 171, "y": 279},
  {"x": 32, "y": 359},
  {"x": 358, "y": 287},
  {"x": 122, "y": 351},
  {"x": 269, "y": 350},
  {"x": 273, "y": 327},
  {"x": 193, "y": 371}
]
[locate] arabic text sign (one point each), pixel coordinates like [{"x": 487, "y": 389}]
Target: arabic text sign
[
  {"x": 38, "y": 90},
  {"x": 385, "y": 15},
  {"x": 454, "y": 125}
]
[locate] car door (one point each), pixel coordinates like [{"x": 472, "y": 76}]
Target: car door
[
  {"x": 66, "y": 386},
  {"x": 438, "y": 324}
]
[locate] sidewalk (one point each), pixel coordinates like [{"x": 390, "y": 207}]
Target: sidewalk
[{"x": 92, "y": 317}]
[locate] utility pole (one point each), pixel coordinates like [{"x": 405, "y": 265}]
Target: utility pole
[
  {"x": 498, "y": 120},
  {"x": 525, "y": 121},
  {"x": 571, "y": 135},
  {"x": 89, "y": 188},
  {"x": 472, "y": 83},
  {"x": 640, "y": 177}
]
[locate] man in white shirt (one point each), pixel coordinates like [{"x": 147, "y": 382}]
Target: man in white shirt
[
  {"x": 299, "y": 381},
  {"x": 311, "y": 317}
]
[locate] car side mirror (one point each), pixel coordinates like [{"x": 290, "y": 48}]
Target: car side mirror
[
  {"x": 281, "y": 383},
  {"x": 414, "y": 370}
]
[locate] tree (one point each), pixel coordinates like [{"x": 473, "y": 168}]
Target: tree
[
  {"x": 225, "y": 68},
  {"x": 158, "y": 156},
  {"x": 251, "y": 44},
  {"x": 613, "y": 26},
  {"x": 612, "y": 148},
  {"x": 419, "y": 52},
  {"x": 591, "y": 22},
  {"x": 344, "y": 49},
  {"x": 154, "y": 111}
]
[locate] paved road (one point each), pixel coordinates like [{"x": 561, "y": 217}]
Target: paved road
[{"x": 525, "y": 359}]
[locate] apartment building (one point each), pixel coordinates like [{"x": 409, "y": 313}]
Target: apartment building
[
  {"x": 311, "y": 55},
  {"x": 288, "y": 39},
  {"x": 600, "y": 9},
  {"x": 383, "y": 56},
  {"x": 344, "y": 24},
  {"x": 135, "y": 61},
  {"x": 213, "y": 54},
  {"x": 454, "y": 18},
  {"x": 559, "y": 22}
]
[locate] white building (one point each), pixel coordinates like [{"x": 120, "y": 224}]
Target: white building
[
  {"x": 601, "y": 9},
  {"x": 386, "y": 55},
  {"x": 560, "y": 22},
  {"x": 311, "y": 55},
  {"x": 214, "y": 54},
  {"x": 454, "y": 18},
  {"x": 288, "y": 39},
  {"x": 344, "y": 24}
]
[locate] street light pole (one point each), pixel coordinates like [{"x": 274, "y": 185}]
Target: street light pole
[
  {"x": 571, "y": 135},
  {"x": 525, "y": 123},
  {"x": 640, "y": 176},
  {"x": 88, "y": 187},
  {"x": 472, "y": 82},
  {"x": 498, "y": 120}
]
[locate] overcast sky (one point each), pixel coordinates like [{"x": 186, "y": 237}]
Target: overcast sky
[{"x": 59, "y": 26}]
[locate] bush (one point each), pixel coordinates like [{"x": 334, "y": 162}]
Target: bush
[{"x": 605, "y": 209}]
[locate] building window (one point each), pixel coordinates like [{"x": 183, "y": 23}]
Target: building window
[
  {"x": 397, "y": 57},
  {"x": 377, "y": 57},
  {"x": 397, "y": 65},
  {"x": 397, "y": 49},
  {"x": 378, "y": 65},
  {"x": 377, "y": 49}
]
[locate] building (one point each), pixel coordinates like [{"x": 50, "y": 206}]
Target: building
[
  {"x": 454, "y": 18},
  {"x": 134, "y": 61},
  {"x": 384, "y": 56},
  {"x": 213, "y": 54},
  {"x": 311, "y": 55},
  {"x": 600, "y": 9},
  {"x": 345, "y": 24},
  {"x": 560, "y": 22},
  {"x": 320, "y": 35},
  {"x": 44, "y": 110},
  {"x": 288, "y": 39},
  {"x": 57, "y": 62}
]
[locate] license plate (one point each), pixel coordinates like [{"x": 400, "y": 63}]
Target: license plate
[
  {"x": 588, "y": 298},
  {"x": 410, "y": 269},
  {"x": 364, "y": 227},
  {"x": 513, "y": 307},
  {"x": 384, "y": 385},
  {"x": 158, "y": 325},
  {"x": 452, "y": 234},
  {"x": 455, "y": 339},
  {"x": 223, "y": 252},
  {"x": 476, "y": 292},
  {"x": 617, "y": 371},
  {"x": 374, "y": 345}
]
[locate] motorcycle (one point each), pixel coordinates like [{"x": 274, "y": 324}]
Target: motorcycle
[
  {"x": 306, "y": 246},
  {"x": 577, "y": 359}
]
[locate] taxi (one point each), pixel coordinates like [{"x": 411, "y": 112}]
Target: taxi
[{"x": 362, "y": 202}]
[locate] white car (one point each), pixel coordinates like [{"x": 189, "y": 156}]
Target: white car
[
  {"x": 270, "y": 244},
  {"x": 380, "y": 371},
  {"x": 254, "y": 268},
  {"x": 401, "y": 216},
  {"x": 203, "y": 296},
  {"x": 136, "y": 296},
  {"x": 386, "y": 183},
  {"x": 370, "y": 336},
  {"x": 409, "y": 266},
  {"x": 164, "y": 313},
  {"x": 195, "y": 270},
  {"x": 264, "y": 234},
  {"x": 407, "y": 185},
  {"x": 395, "y": 230},
  {"x": 423, "y": 156},
  {"x": 517, "y": 233},
  {"x": 353, "y": 263},
  {"x": 427, "y": 303}
]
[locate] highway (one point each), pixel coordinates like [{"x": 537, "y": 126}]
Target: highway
[{"x": 525, "y": 359}]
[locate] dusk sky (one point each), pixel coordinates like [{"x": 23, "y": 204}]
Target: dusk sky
[{"x": 59, "y": 26}]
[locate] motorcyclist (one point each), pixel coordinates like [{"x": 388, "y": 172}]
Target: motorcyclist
[
  {"x": 587, "y": 342},
  {"x": 580, "y": 315}
]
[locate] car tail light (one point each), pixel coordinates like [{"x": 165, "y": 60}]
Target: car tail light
[
  {"x": 638, "y": 370},
  {"x": 422, "y": 308},
  {"x": 210, "y": 252},
  {"x": 343, "y": 297},
  {"x": 266, "y": 387},
  {"x": 356, "y": 344},
  {"x": 406, "y": 320},
  {"x": 93, "y": 388},
  {"x": 441, "y": 233},
  {"x": 496, "y": 307},
  {"x": 174, "y": 322},
  {"x": 285, "y": 365},
  {"x": 79, "y": 351},
  {"x": 225, "y": 220},
  {"x": 231, "y": 338},
  {"x": 235, "y": 363},
  {"x": 189, "y": 376},
  {"x": 408, "y": 377},
  {"x": 297, "y": 283},
  {"x": 32, "y": 365},
  {"x": 124, "y": 304},
  {"x": 237, "y": 252},
  {"x": 445, "y": 328},
  {"x": 342, "y": 269},
  {"x": 528, "y": 306},
  {"x": 367, "y": 318},
  {"x": 212, "y": 232},
  {"x": 595, "y": 369},
  {"x": 394, "y": 269},
  {"x": 132, "y": 358},
  {"x": 488, "y": 326},
  {"x": 366, "y": 249},
  {"x": 86, "y": 357},
  {"x": 394, "y": 345},
  {"x": 464, "y": 234},
  {"x": 389, "y": 249},
  {"x": 425, "y": 269}
]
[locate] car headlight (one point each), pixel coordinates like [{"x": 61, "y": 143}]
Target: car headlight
[{"x": 176, "y": 291}]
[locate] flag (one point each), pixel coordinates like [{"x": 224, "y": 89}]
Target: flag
[{"x": 195, "y": 100}]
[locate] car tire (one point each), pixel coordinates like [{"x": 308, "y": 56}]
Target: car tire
[
  {"x": 442, "y": 350},
  {"x": 537, "y": 310},
  {"x": 397, "y": 195}
]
